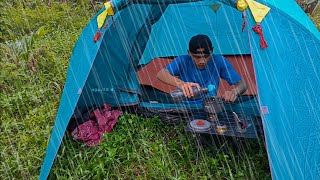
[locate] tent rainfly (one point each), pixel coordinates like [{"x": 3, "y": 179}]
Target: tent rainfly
[{"x": 280, "y": 38}]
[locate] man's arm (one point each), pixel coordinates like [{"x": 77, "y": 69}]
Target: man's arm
[
  {"x": 164, "y": 76},
  {"x": 240, "y": 88},
  {"x": 229, "y": 74}
]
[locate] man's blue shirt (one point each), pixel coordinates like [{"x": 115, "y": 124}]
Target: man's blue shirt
[{"x": 217, "y": 67}]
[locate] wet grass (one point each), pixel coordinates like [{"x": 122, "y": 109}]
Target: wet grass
[{"x": 145, "y": 148}]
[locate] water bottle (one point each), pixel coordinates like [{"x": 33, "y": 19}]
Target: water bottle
[{"x": 178, "y": 94}]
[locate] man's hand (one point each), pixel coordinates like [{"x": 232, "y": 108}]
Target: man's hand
[
  {"x": 230, "y": 96},
  {"x": 240, "y": 88},
  {"x": 186, "y": 87}
]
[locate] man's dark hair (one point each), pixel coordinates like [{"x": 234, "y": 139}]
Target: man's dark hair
[{"x": 200, "y": 41}]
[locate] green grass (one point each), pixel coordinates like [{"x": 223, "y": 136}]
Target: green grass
[
  {"x": 315, "y": 17},
  {"x": 144, "y": 148},
  {"x": 30, "y": 91}
]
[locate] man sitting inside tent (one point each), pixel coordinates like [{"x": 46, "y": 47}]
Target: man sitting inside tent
[{"x": 200, "y": 69}]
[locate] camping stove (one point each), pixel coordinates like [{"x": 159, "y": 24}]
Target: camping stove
[{"x": 213, "y": 105}]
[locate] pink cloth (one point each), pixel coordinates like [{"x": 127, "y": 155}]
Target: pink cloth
[{"x": 101, "y": 121}]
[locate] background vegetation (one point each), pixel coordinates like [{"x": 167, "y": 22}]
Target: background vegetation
[{"x": 37, "y": 38}]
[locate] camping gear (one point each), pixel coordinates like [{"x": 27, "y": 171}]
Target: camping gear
[
  {"x": 200, "y": 125},
  {"x": 78, "y": 118},
  {"x": 240, "y": 124},
  {"x": 178, "y": 95},
  {"x": 101, "y": 121},
  {"x": 226, "y": 126},
  {"x": 213, "y": 106},
  {"x": 220, "y": 129},
  {"x": 136, "y": 32}
]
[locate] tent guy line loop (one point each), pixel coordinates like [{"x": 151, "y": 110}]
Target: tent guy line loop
[{"x": 101, "y": 20}]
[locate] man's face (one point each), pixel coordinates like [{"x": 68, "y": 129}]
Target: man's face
[{"x": 200, "y": 59}]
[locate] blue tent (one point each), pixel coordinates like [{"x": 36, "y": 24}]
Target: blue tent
[{"x": 286, "y": 71}]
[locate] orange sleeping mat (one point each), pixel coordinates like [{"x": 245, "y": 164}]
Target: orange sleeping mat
[{"x": 242, "y": 64}]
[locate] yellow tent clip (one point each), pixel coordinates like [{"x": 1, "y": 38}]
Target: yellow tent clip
[
  {"x": 102, "y": 17},
  {"x": 258, "y": 10}
]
